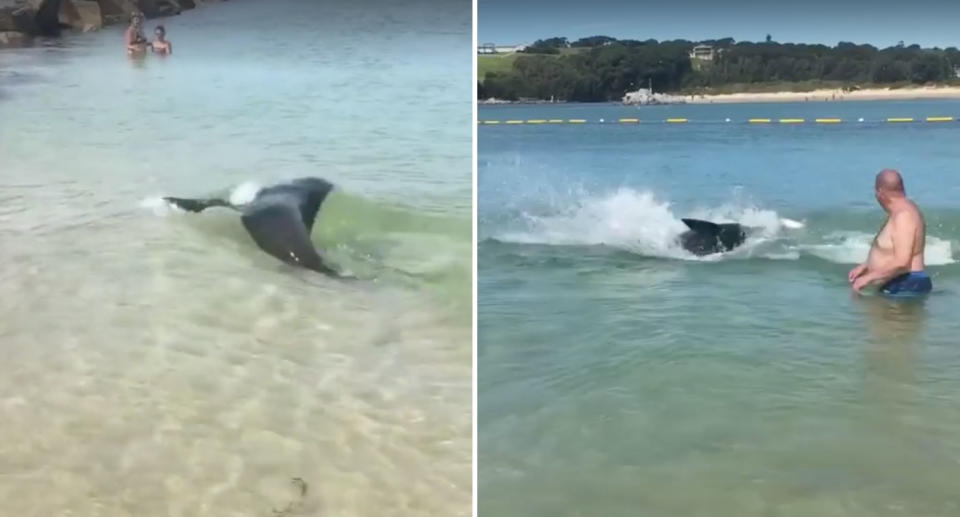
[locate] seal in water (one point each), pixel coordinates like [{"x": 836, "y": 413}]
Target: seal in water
[
  {"x": 279, "y": 218},
  {"x": 706, "y": 238}
]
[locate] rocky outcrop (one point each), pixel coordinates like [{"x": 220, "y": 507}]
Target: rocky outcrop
[
  {"x": 82, "y": 15},
  {"x": 18, "y": 19},
  {"x": 21, "y": 20},
  {"x": 47, "y": 17},
  {"x": 18, "y": 23},
  {"x": 117, "y": 11},
  {"x": 13, "y": 39},
  {"x": 158, "y": 8}
]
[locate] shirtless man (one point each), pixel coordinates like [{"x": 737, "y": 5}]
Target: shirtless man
[{"x": 895, "y": 260}]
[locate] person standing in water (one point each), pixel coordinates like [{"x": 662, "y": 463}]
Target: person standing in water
[
  {"x": 135, "y": 40},
  {"x": 161, "y": 45},
  {"x": 895, "y": 259}
]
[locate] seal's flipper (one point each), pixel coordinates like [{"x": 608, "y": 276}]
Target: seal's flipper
[
  {"x": 196, "y": 205},
  {"x": 278, "y": 229},
  {"x": 313, "y": 193}
]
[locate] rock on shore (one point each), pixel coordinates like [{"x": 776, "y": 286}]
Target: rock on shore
[{"x": 22, "y": 20}]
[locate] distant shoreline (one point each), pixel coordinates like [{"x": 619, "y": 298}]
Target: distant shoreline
[
  {"x": 495, "y": 102},
  {"x": 819, "y": 95},
  {"x": 829, "y": 95}
]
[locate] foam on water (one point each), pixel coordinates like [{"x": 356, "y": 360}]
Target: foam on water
[
  {"x": 849, "y": 247},
  {"x": 244, "y": 193}
]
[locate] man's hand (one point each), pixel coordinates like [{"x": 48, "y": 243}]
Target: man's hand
[
  {"x": 855, "y": 272},
  {"x": 861, "y": 282}
]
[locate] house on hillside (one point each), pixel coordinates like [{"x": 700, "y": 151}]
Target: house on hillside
[
  {"x": 509, "y": 49},
  {"x": 490, "y": 48},
  {"x": 956, "y": 71},
  {"x": 703, "y": 53}
]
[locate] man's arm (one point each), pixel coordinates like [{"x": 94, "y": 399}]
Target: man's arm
[{"x": 903, "y": 229}]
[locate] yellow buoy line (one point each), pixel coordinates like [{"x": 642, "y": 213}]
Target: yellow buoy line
[{"x": 629, "y": 120}]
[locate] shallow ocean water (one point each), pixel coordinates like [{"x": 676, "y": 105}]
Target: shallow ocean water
[
  {"x": 618, "y": 375},
  {"x": 157, "y": 362}
]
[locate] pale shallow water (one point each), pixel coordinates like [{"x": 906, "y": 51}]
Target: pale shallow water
[
  {"x": 619, "y": 375},
  {"x": 156, "y": 362}
]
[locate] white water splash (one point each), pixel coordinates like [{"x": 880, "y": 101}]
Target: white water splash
[
  {"x": 639, "y": 222},
  {"x": 244, "y": 193},
  {"x": 628, "y": 219},
  {"x": 791, "y": 224}
]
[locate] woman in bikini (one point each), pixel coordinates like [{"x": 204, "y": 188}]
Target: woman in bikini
[
  {"x": 135, "y": 40},
  {"x": 161, "y": 46}
]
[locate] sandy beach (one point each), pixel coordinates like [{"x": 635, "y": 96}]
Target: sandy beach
[{"x": 834, "y": 94}]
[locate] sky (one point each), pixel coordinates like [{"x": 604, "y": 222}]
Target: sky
[{"x": 882, "y": 23}]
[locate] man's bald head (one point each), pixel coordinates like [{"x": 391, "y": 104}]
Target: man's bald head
[{"x": 889, "y": 182}]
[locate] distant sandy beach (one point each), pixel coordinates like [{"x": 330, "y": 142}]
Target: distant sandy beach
[
  {"x": 821, "y": 95},
  {"x": 876, "y": 94}
]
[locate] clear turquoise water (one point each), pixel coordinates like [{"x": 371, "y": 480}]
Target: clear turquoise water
[
  {"x": 620, "y": 376},
  {"x": 157, "y": 363}
]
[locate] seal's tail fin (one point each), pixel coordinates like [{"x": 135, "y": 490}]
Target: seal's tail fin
[
  {"x": 699, "y": 226},
  {"x": 196, "y": 205}
]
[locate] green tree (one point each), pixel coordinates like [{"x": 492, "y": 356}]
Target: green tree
[
  {"x": 606, "y": 68},
  {"x": 593, "y": 41}
]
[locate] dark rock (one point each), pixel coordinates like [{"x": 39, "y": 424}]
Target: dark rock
[
  {"x": 13, "y": 39},
  {"x": 117, "y": 11},
  {"x": 18, "y": 19},
  {"x": 158, "y": 8},
  {"x": 83, "y": 15},
  {"x": 47, "y": 17}
]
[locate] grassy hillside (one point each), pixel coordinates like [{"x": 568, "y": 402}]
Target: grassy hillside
[
  {"x": 504, "y": 62},
  {"x": 494, "y": 63}
]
